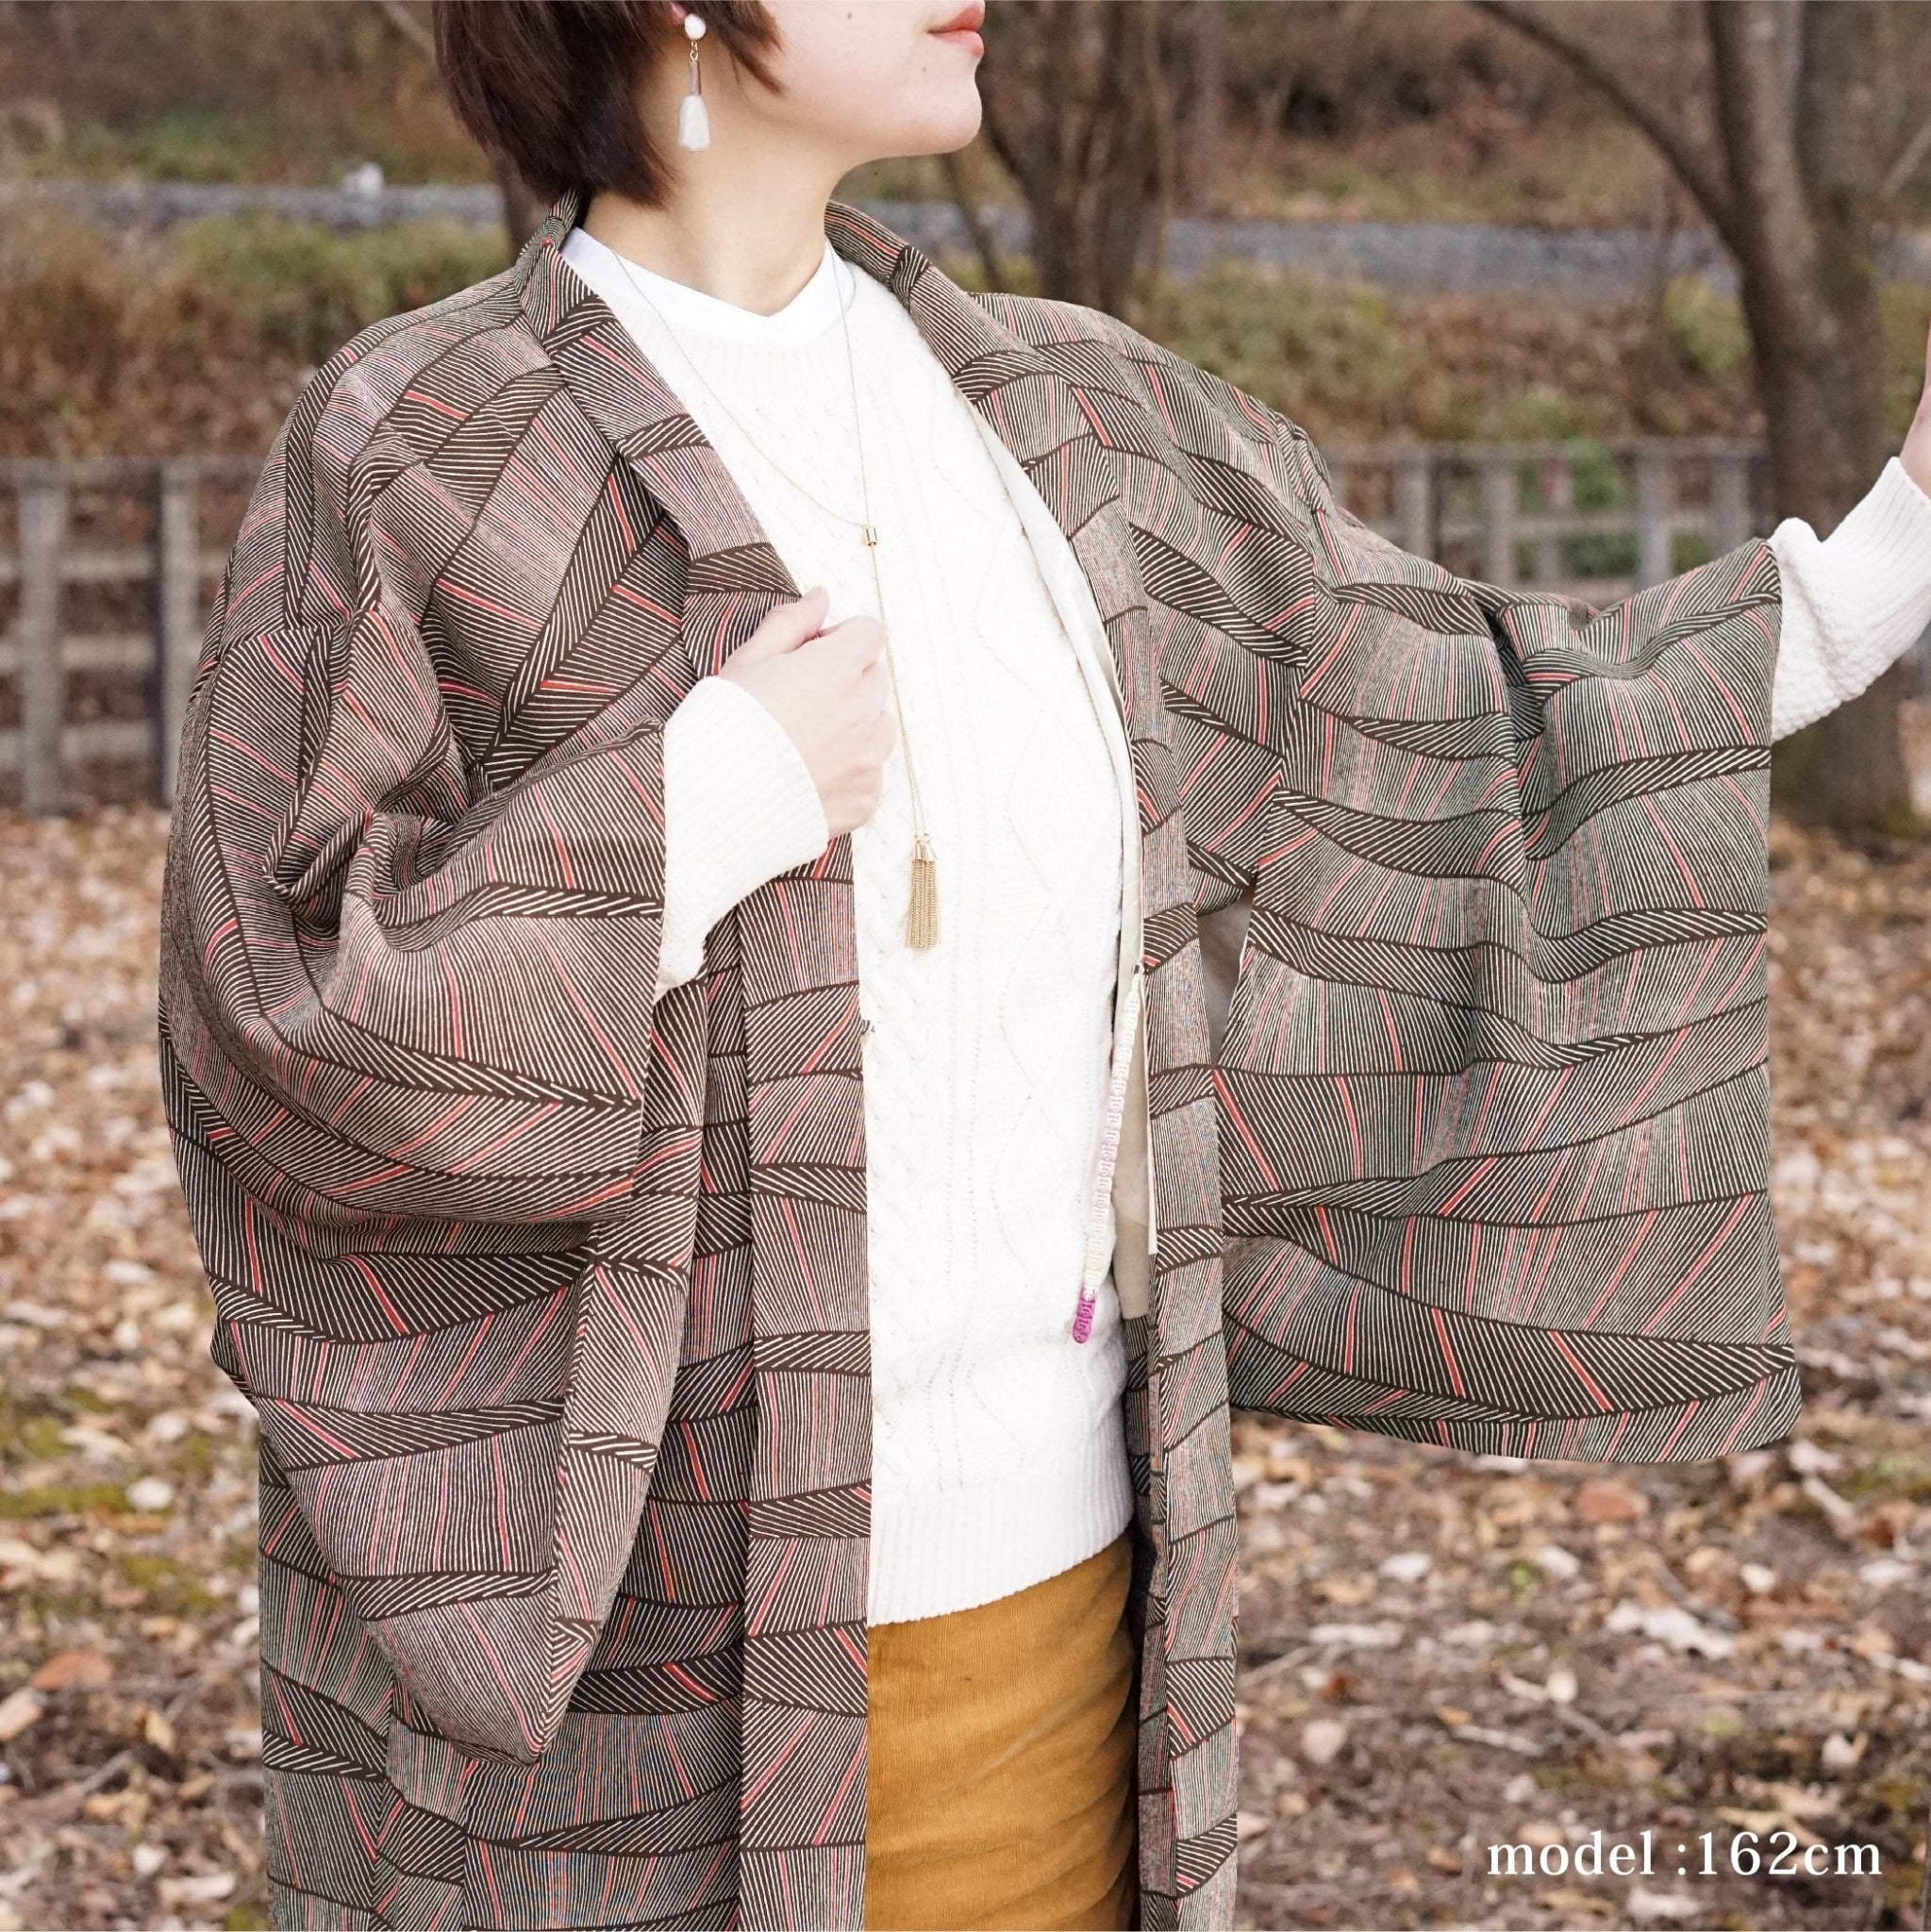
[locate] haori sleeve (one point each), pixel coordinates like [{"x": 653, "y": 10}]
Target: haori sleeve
[
  {"x": 1493, "y": 1087},
  {"x": 421, "y": 1093},
  {"x": 404, "y": 993}
]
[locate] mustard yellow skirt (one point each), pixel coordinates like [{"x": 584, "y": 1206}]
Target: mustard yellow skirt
[{"x": 1000, "y": 1788}]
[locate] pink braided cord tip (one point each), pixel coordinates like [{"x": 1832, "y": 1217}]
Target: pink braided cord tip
[{"x": 1083, "y": 1314}]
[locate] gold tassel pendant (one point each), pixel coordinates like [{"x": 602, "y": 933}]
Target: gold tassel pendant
[{"x": 922, "y": 908}]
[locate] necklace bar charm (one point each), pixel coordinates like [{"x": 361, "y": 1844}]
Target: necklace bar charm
[{"x": 870, "y": 532}]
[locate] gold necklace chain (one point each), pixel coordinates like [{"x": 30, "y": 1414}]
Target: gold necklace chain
[{"x": 922, "y": 902}]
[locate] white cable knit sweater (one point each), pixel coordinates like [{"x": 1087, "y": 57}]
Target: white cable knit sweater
[{"x": 997, "y": 1451}]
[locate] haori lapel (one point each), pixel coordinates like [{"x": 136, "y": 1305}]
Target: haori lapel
[
  {"x": 787, "y": 1241},
  {"x": 734, "y": 574},
  {"x": 1056, "y": 403},
  {"x": 1054, "y": 400}
]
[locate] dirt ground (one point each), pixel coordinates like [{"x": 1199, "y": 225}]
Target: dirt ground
[{"x": 1440, "y": 1655}]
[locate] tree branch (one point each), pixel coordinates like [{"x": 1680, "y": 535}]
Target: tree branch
[
  {"x": 1002, "y": 138},
  {"x": 977, "y": 233},
  {"x": 1775, "y": 236},
  {"x": 1695, "y": 168},
  {"x": 1907, "y": 164},
  {"x": 408, "y": 26}
]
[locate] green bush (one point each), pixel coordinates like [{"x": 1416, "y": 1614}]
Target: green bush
[
  {"x": 1284, "y": 337},
  {"x": 307, "y": 288},
  {"x": 198, "y": 339},
  {"x": 1703, "y": 330}
]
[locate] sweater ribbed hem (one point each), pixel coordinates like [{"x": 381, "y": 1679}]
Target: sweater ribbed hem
[
  {"x": 1891, "y": 524},
  {"x": 739, "y": 807},
  {"x": 1855, "y": 602},
  {"x": 952, "y": 1549}
]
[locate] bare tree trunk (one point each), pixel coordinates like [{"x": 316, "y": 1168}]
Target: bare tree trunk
[
  {"x": 1204, "y": 112},
  {"x": 1079, "y": 109},
  {"x": 1860, "y": 774},
  {"x": 1804, "y": 167},
  {"x": 522, "y": 209},
  {"x": 965, "y": 199}
]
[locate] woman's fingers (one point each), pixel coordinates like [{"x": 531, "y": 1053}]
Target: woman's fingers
[
  {"x": 861, "y": 639},
  {"x": 788, "y": 626}
]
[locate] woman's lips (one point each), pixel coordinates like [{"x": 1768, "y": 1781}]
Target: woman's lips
[{"x": 962, "y": 29}]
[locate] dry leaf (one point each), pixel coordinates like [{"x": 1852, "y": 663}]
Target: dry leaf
[
  {"x": 18, "y": 1711},
  {"x": 74, "y": 1667},
  {"x": 204, "y": 1891},
  {"x": 1323, "y": 1740},
  {"x": 1601, "y": 1500},
  {"x": 1349, "y": 1591},
  {"x": 1566, "y": 1899}
]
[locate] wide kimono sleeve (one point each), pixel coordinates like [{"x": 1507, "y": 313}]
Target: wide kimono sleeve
[
  {"x": 1492, "y": 1084},
  {"x": 408, "y": 1038}
]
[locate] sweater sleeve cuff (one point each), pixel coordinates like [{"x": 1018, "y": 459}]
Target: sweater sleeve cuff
[
  {"x": 1854, "y": 601},
  {"x": 739, "y": 807}
]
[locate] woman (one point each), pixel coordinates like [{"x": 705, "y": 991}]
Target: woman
[{"x": 740, "y": 1149}]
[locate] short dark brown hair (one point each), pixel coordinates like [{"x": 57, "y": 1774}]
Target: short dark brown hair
[{"x": 550, "y": 85}]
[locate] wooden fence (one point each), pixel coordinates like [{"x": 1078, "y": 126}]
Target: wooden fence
[
  {"x": 104, "y": 687},
  {"x": 1592, "y": 520},
  {"x": 162, "y": 581}
]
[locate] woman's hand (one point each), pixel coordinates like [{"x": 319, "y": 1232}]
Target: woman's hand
[
  {"x": 828, "y": 688},
  {"x": 1916, "y": 454}
]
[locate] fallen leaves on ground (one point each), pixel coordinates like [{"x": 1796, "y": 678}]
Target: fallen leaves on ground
[{"x": 129, "y": 1727}]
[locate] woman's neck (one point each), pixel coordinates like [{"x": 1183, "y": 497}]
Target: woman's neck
[{"x": 754, "y": 243}]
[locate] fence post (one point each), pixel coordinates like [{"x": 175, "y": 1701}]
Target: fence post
[
  {"x": 1729, "y": 500},
  {"x": 1414, "y": 503},
  {"x": 42, "y": 533},
  {"x": 1655, "y": 551},
  {"x": 1555, "y": 491},
  {"x": 178, "y": 599},
  {"x": 1498, "y": 519}
]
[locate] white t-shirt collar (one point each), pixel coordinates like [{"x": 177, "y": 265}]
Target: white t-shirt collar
[{"x": 810, "y": 313}]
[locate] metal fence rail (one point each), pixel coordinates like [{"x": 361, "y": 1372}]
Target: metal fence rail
[{"x": 1591, "y": 519}]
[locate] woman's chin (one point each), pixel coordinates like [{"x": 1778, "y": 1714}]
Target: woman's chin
[{"x": 950, "y": 124}]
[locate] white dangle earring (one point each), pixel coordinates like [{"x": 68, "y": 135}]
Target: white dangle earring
[{"x": 694, "y": 120}]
